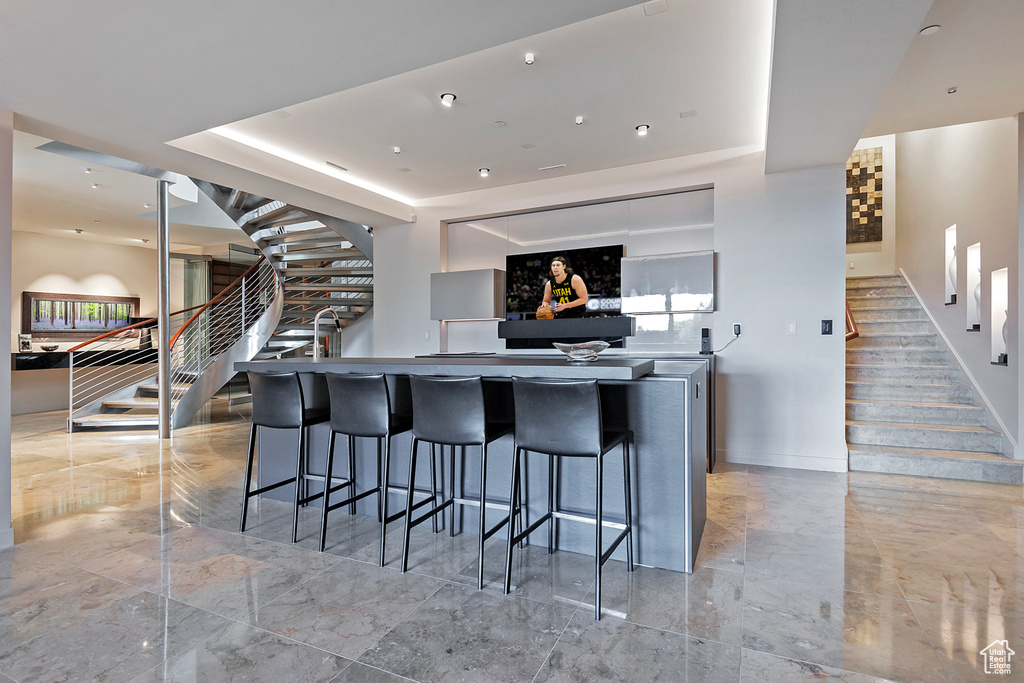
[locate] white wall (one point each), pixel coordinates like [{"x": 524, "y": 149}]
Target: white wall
[
  {"x": 6, "y": 228},
  {"x": 781, "y": 244},
  {"x": 43, "y": 263},
  {"x": 878, "y": 258},
  {"x": 1020, "y": 280},
  {"x": 965, "y": 175}
]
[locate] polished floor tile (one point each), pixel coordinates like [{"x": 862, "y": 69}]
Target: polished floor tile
[
  {"x": 129, "y": 567},
  {"x": 613, "y": 650},
  {"x": 462, "y": 634}
]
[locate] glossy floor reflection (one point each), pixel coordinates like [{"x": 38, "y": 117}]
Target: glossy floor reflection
[{"x": 128, "y": 567}]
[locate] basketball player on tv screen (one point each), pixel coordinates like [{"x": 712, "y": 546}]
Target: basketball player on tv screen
[{"x": 565, "y": 293}]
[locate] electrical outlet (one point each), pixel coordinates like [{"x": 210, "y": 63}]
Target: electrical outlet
[
  {"x": 826, "y": 327},
  {"x": 736, "y": 329},
  {"x": 852, "y": 266},
  {"x": 426, "y": 336},
  {"x": 791, "y": 328}
]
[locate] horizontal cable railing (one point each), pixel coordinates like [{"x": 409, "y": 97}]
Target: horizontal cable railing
[{"x": 120, "y": 360}]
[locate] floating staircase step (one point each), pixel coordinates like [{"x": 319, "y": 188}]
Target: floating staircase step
[
  {"x": 315, "y": 236},
  {"x": 916, "y": 412},
  {"x": 327, "y": 287},
  {"x": 111, "y": 420},
  {"x": 859, "y": 303},
  {"x": 875, "y": 281},
  {"x": 878, "y": 291},
  {"x": 324, "y": 329},
  {"x": 307, "y": 271},
  {"x": 363, "y": 300},
  {"x": 320, "y": 255},
  {"x": 895, "y": 327},
  {"x": 139, "y": 403},
  {"x": 944, "y": 437},
  {"x": 942, "y": 393},
  {"x": 154, "y": 389},
  {"x": 896, "y": 356},
  {"x": 894, "y": 340},
  {"x": 887, "y": 315},
  {"x": 923, "y": 374},
  {"x": 310, "y": 314},
  {"x": 938, "y": 463}
]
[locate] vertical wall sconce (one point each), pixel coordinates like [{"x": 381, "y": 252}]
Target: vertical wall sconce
[
  {"x": 974, "y": 287},
  {"x": 950, "y": 265},
  {"x": 1000, "y": 304}
]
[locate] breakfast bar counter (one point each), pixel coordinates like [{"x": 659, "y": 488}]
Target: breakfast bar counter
[{"x": 667, "y": 414}]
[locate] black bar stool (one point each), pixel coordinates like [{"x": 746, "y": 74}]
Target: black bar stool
[
  {"x": 278, "y": 403},
  {"x": 449, "y": 411},
  {"x": 361, "y": 407},
  {"x": 562, "y": 418}
]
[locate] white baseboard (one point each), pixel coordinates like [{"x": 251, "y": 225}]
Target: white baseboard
[
  {"x": 796, "y": 462},
  {"x": 6, "y": 538}
]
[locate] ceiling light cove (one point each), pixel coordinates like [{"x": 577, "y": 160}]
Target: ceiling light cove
[
  {"x": 313, "y": 165},
  {"x": 447, "y": 99},
  {"x": 931, "y": 30}
]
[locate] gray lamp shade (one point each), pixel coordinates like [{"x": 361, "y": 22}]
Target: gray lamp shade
[{"x": 467, "y": 294}]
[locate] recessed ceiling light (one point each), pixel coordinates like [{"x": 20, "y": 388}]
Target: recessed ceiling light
[
  {"x": 144, "y": 241},
  {"x": 88, "y": 170},
  {"x": 398, "y": 150},
  {"x": 642, "y": 129},
  {"x": 146, "y": 205},
  {"x": 931, "y": 30},
  {"x": 484, "y": 172},
  {"x": 333, "y": 165},
  {"x": 79, "y": 231},
  {"x": 97, "y": 221},
  {"x": 95, "y": 186},
  {"x": 548, "y": 168},
  {"x": 687, "y": 114},
  {"x": 950, "y": 91},
  {"x": 405, "y": 170},
  {"x": 579, "y": 120},
  {"x": 529, "y": 58},
  {"x": 447, "y": 99},
  {"x": 527, "y": 145},
  {"x": 499, "y": 124}
]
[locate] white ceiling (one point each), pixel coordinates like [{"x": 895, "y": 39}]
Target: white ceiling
[
  {"x": 53, "y": 195},
  {"x": 360, "y": 78},
  {"x": 707, "y": 61}
]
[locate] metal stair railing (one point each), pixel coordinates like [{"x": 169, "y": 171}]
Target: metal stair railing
[{"x": 113, "y": 365}]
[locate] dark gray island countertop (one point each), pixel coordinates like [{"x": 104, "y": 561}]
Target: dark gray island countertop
[{"x": 486, "y": 366}]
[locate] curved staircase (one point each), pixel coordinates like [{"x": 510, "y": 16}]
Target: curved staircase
[
  {"x": 323, "y": 262},
  {"x": 908, "y": 409}
]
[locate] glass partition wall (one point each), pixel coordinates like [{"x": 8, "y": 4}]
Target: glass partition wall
[{"x": 648, "y": 227}]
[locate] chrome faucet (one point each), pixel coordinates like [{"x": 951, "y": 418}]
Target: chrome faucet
[{"x": 316, "y": 328}]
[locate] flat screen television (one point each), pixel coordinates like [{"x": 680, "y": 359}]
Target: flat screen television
[{"x": 599, "y": 267}]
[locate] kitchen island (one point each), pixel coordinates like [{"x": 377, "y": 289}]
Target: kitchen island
[{"x": 666, "y": 413}]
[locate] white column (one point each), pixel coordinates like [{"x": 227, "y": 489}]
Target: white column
[
  {"x": 164, "y": 310},
  {"x": 6, "y": 226},
  {"x": 1016, "y": 362}
]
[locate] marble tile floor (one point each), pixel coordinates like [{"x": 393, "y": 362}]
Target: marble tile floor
[{"x": 128, "y": 567}]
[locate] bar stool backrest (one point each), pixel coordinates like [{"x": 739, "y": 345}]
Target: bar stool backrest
[
  {"x": 360, "y": 404},
  {"x": 558, "y": 416},
  {"x": 276, "y": 399},
  {"x": 448, "y": 410}
]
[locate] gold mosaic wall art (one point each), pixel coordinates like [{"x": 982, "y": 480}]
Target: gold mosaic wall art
[{"x": 864, "y": 196}]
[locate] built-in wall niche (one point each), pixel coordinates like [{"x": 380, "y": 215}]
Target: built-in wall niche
[
  {"x": 950, "y": 265},
  {"x": 1000, "y": 304},
  {"x": 974, "y": 287}
]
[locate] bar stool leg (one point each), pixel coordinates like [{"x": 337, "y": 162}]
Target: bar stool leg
[
  {"x": 248, "y": 476},
  {"x": 298, "y": 487},
  {"x": 433, "y": 481},
  {"x": 551, "y": 504},
  {"x": 600, "y": 528},
  {"x": 408, "y": 504},
  {"x": 351, "y": 474},
  {"x": 451, "y": 487},
  {"x": 327, "y": 491},
  {"x": 483, "y": 517},
  {"x": 384, "y": 496},
  {"x": 380, "y": 504},
  {"x": 629, "y": 504},
  {"x": 514, "y": 510}
]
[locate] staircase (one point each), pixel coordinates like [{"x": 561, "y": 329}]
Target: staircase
[
  {"x": 322, "y": 261},
  {"x": 907, "y": 408}
]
